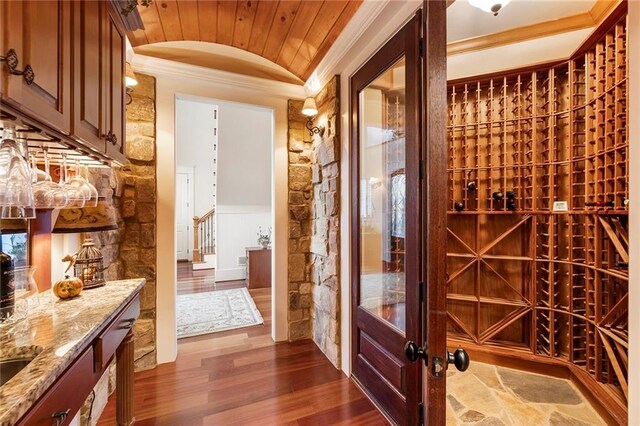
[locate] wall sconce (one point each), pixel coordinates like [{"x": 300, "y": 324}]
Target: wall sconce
[
  {"x": 310, "y": 110},
  {"x": 130, "y": 81}
]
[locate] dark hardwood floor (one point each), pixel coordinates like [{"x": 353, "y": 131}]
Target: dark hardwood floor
[
  {"x": 190, "y": 281},
  {"x": 241, "y": 377}
]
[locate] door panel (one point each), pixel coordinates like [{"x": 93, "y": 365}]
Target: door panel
[
  {"x": 39, "y": 32},
  {"x": 115, "y": 87},
  {"x": 89, "y": 67},
  {"x": 386, "y": 224}
]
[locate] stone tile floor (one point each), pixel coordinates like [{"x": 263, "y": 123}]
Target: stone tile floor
[{"x": 486, "y": 395}]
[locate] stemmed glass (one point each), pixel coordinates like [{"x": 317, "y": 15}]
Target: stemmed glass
[
  {"x": 47, "y": 193},
  {"x": 16, "y": 193},
  {"x": 81, "y": 183},
  {"x": 76, "y": 195}
]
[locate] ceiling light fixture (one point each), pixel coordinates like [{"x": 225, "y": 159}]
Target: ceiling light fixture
[{"x": 490, "y": 6}]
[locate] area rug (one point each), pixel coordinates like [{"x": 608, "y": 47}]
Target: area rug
[{"x": 215, "y": 311}]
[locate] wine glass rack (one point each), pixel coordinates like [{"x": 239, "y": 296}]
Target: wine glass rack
[{"x": 538, "y": 213}]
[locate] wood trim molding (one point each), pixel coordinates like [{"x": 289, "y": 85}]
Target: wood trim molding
[
  {"x": 589, "y": 19},
  {"x": 363, "y": 18},
  {"x": 162, "y": 67}
]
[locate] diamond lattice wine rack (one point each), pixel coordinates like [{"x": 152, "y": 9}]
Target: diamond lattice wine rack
[{"x": 538, "y": 206}]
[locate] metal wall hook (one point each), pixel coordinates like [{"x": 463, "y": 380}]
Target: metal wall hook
[{"x": 12, "y": 61}]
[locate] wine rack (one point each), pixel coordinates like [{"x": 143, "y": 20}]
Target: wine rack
[{"x": 538, "y": 207}]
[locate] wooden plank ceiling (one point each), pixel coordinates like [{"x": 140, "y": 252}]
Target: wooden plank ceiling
[{"x": 293, "y": 34}]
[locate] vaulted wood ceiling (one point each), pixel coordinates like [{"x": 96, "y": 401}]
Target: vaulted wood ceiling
[{"x": 293, "y": 34}]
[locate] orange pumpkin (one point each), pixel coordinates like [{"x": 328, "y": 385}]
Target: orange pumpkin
[{"x": 67, "y": 288}]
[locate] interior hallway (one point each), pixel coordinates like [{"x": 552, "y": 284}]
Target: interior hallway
[{"x": 240, "y": 377}]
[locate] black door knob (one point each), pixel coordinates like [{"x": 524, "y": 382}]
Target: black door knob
[
  {"x": 459, "y": 358},
  {"x": 414, "y": 352}
]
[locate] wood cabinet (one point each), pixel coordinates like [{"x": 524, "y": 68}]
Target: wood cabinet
[
  {"x": 40, "y": 34},
  {"x": 115, "y": 96},
  {"x": 88, "y": 65},
  {"x": 77, "y": 53},
  {"x": 258, "y": 267},
  {"x": 65, "y": 397},
  {"x": 60, "y": 403}
]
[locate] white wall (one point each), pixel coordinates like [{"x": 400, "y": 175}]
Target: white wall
[
  {"x": 244, "y": 157},
  {"x": 178, "y": 80},
  {"x": 515, "y": 55},
  {"x": 244, "y": 183},
  {"x": 633, "y": 48},
  {"x": 62, "y": 245},
  {"x": 237, "y": 228},
  {"x": 195, "y": 141}
]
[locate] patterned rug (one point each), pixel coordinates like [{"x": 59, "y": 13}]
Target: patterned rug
[{"x": 214, "y": 311}]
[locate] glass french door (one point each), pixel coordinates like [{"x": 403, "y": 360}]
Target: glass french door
[{"x": 386, "y": 225}]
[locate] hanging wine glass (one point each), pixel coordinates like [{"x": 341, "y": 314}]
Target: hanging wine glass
[
  {"x": 16, "y": 193},
  {"x": 90, "y": 192},
  {"x": 76, "y": 196},
  {"x": 94, "y": 191},
  {"x": 47, "y": 193}
]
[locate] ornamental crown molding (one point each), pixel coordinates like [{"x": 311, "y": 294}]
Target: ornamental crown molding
[
  {"x": 158, "y": 67},
  {"x": 359, "y": 23}
]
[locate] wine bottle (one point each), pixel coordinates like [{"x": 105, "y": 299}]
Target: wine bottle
[
  {"x": 458, "y": 206},
  {"x": 7, "y": 292},
  {"x": 599, "y": 204}
]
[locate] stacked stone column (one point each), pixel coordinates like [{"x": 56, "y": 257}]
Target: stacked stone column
[{"x": 314, "y": 224}]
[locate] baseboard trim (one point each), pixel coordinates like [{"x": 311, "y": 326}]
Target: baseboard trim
[{"x": 232, "y": 274}]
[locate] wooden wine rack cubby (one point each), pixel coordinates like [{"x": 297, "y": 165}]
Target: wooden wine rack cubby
[{"x": 527, "y": 279}]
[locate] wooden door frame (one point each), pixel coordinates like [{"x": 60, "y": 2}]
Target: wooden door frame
[
  {"x": 189, "y": 171},
  {"x": 392, "y": 51},
  {"x": 434, "y": 121}
]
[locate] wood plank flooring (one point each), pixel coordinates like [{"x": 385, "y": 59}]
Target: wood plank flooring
[
  {"x": 190, "y": 281},
  {"x": 241, "y": 377}
]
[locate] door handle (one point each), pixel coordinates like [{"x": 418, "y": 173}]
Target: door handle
[
  {"x": 415, "y": 352},
  {"x": 459, "y": 358}
]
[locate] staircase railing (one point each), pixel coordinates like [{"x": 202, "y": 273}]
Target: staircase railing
[{"x": 204, "y": 241}]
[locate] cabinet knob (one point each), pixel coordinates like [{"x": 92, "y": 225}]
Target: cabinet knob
[
  {"x": 111, "y": 137},
  {"x": 11, "y": 59},
  {"x": 59, "y": 417}
]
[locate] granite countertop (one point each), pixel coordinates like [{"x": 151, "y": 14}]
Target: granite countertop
[{"x": 57, "y": 331}]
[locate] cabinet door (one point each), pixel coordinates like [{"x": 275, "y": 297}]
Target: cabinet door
[
  {"x": 115, "y": 96},
  {"x": 89, "y": 20},
  {"x": 40, "y": 34}
]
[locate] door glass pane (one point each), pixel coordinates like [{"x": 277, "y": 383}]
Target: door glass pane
[{"x": 382, "y": 196}]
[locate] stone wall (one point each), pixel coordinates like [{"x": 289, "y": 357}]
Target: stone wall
[
  {"x": 325, "y": 229},
  {"x": 314, "y": 224},
  {"x": 300, "y": 198},
  {"x": 138, "y": 248}
]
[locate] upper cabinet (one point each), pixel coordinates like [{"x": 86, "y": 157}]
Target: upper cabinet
[
  {"x": 38, "y": 33},
  {"x": 116, "y": 90},
  {"x": 89, "y": 74},
  {"x": 77, "y": 53}
]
